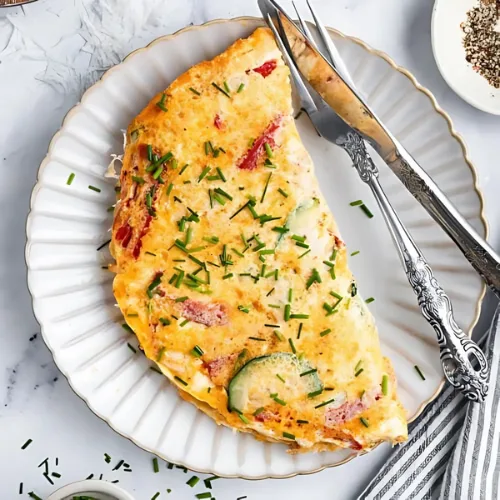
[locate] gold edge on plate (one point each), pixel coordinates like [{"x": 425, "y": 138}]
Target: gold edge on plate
[{"x": 260, "y": 21}]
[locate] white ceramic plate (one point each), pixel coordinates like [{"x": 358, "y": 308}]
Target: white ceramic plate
[
  {"x": 72, "y": 295},
  {"x": 450, "y": 56}
]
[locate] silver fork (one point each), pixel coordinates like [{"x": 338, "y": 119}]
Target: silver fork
[{"x": 457, "y": 350}]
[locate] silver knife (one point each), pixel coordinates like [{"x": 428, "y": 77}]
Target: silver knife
[{"x": 351, "y": 107}]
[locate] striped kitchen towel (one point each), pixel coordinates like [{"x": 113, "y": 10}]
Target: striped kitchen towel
[{"x": 453, "y": 448}]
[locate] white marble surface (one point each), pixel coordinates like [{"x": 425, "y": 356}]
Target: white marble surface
[{"x": 47, "y": 58}]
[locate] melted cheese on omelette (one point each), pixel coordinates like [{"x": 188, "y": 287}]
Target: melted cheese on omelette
[{"x": 230, "y": 268}]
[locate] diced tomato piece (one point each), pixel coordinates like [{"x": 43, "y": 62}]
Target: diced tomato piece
[
  {"x": 249, "y": 160},
  {"x": 218, "y": 122},
  {"x": 267, "y": 68}
]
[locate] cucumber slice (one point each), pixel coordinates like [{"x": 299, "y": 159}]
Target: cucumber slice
[
  {"x": 302, "y": 218},
  {"x": 253, "y": 384}
]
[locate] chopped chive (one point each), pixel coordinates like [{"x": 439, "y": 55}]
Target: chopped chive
[
  {"x": 287, "y": 312},
  {"x": 221, "y": 175},
  {"x": 258, "y": 411},
  {"x": 358, "y": 365},
  {"x": 270, "y": 292},
  {"x": 419, "y": 371},
  {"x": 354, "y": 289},
  {"x": 279, "y": 401},
  {"x": 290, "y": 294},
  {"x": 147, "y": 252},
  {"x": 364, "y": 421},
  {"x": 158, "y": 172},
  {"x": 356, "y": 203},
  {"x": 299, "y": 316},
  {"x": 359, "y": 372},
  {"x": 107, "y": 459},
  {"x": 221, "y": 89},
  {"x": 268, "y": 149},
  {"x": 308, "y": 372},
  {"x": 226, "y": 87},
  {"x": 385, "y": 385},
  {"x": 280, "y": 377},
  {"x": 183, "y": 169},
  {"x": 369, "y": 300},
  {"x": 279, "y": 336},
  {"x": 271, "y": 326},
  {"x": 292, "y": 346},
  {"x": 258, "y": 339},
  {"x": 25, "y": 445},
  {"x": 70, "y": 179},
  {"x": 204, "y": 172},
  {"x": 180, "y": 380},
  {"x": 354, "y": 253},
  {"x": 288, "y": 435},
  {"x": 244, "y": 309},
  {"x": 155, "y": 283},
  {"x": 169, "y": 189},
  {"x": 296, "y": 237},
  {"x": 324, "y": 403},
  {"x": 150, "y": 152},
  {"x": 165, "y": 321},
  {"x": 266, "y": 185},
  {"x": 281, "y": 230},
  {"x": 367, "y": 211},
  {"x": 161, "y": 102},
  {"x": 93, "y": 188},
  {"x": 204, "y": 495},
  {"x": 132, "y": 348},
  {"x": 283, "y": 193},
  {"x": 160, "y": 354},
  {"x": 274, "y": 306},
  {"x": 194, "y": 91},
  {"x": 223, "y": 193},
  {"x": 267, "y": 252},
  {"x": 197, "y": 351},
  {"x": 305, "y": 253},
  {"x": 181, "y": 299},
  {"x": 243, "y": 418},
  {"x": 313, "y": 394},
  {"x": 34, "y": 495},
  {"x": 227, "y": 276},
  {"x": 240, "y": 209},
  {"x": 314, "y": 278},
  {"x": 155, "y": 496},
  {"x": 193, "y": 481},
  {"x": 127, "y": 328},
  {"x": 302, "y": 421},
  {"x": 212, "y": 178},
  {"x": 329, "y": 264},
  {"x": 240, "y": 88}
]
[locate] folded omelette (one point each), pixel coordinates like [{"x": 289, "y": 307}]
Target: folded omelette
[{"x": 230, "y": 268}]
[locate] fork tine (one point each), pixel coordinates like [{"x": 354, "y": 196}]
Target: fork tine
[
  {"x": 307, "y": 102},
  {"x": 303, "y": 25},
  {"x": 331, "y": 51}
]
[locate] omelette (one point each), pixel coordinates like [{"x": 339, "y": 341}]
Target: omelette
[{"x": 230, "y": 268}]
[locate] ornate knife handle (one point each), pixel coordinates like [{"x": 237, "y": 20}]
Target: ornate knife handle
[
  {"x": 475, "y": 249},
  {"x": 457, "y": 351}
]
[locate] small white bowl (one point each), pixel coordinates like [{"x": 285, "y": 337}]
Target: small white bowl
[
  {"x": 100, "y": 489},
  {"x": 450, "y": 56}
]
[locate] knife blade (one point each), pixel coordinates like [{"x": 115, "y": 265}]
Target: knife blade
[{"x": 351, "y": 107}]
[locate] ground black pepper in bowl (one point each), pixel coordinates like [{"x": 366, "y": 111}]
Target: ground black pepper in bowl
[{"x": 482, "y": 42}]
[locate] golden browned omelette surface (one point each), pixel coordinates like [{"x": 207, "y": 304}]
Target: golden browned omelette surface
[{"x": 230, "y": 268}]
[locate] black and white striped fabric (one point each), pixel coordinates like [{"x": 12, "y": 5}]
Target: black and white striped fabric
[{"x": 453, "y": 449}]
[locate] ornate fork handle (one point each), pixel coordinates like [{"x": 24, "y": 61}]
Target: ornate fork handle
[{"x": 456, "y": 349}]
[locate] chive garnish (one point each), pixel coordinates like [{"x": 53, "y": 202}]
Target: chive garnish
[
  {"x": 299, "y": 316},
  {"x": 279, "y": 401},
  {"x": 296, "y": 237},
  {"x": 280, "y": 377},
  {"x": 165, "y": 321},
  {"x": 385, "y": 385},
  {"x": 244, "y": 309},
  {"x": 160, "y": 354},
  {"x": 93, "y": 188},
  {"x": 314, "y": 278},
  {"x": 208, "y": 481},
  {"x": 359, "y": 372},
  {"x": 127, "y": 328},
  {"x": 356, "y": 203},
  {"x": 227, "y": 276},
  {"x": 169, "y": 189},
  {"x": 287, "y": 312},
  {"x": 281, "y": 230},
  {"x": 220, "y": 89},
  {"x": 180, "y": 380},
  {"x": 268, "y": 149},
  {"x": 223, "y": 193},
  {"x": 25, "y": 445},
  {"x": 208, "y": 147},
  {"x": 258, "y": 339},
  {"x": 161, "y": 102},
  {"x": 70, "y": 179},
  {"x": 243, "y": 418},
  {"x": 182, "y": 170},
  {"x": 292, "y": 346},
  {"x": 107, "y": 459},
  {"x": 221, "y": 175},
  {"x": 324, "y": 403},
  {"x": 258, "y": 411},
  {"x": 193, "y": 481},
  {"x": 367, "y": 211},
  {"x": 270, "y": 292},
  {"x": 274, "y": 306},
  {"x": 181, "y": 299},
  {"x": 302, "y": 421},
  {"x": 308, "y": 372},
  {"x": 34, "y": 495},
  {"x": 197, "y": 351},
  {"x": 364, "y": 421},
  {"x": 132, "y": 348},
  {"x": 153, "y": 285},
  {"x": 369, "y": 300},
  {"x": 278, "y": 335},
  {"x": 155, "y": 496},
  {"x": 311, "y": 395},
  {"x": 354, "y": 289},
  {"x": 336, "y": 295},
  {"x": 288, "y": 435},
  {"x": 266, "y": 185},
  {"x": 204, "y": 495},
  {"x": 305, "y": 253},
  {"x": 419, "y": 371},
  {"x": 240, "y": 209},
  {"x": 283, "y": 193},
  {"x": 240, "y": 88},
  {"x": 194, "y": 91},
  {"x": 158, "y": 172}
]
